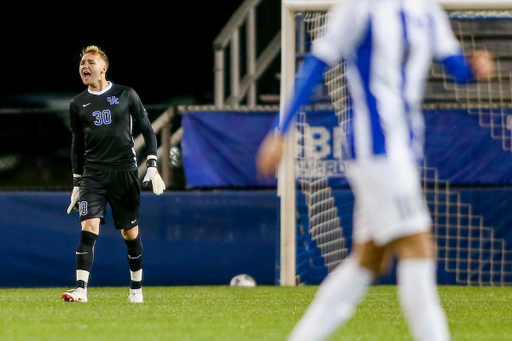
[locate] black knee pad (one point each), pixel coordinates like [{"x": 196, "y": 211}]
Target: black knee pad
[{"x": 88, "y": 238}]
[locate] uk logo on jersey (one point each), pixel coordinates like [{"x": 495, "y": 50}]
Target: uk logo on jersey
[{"x": 113, "y": 100}]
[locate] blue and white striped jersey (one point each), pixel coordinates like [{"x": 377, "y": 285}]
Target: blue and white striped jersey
[{"x": 388, "y": 46}]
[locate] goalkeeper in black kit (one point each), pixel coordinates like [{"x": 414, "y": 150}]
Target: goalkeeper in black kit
[{"x": 105, "y": 167}]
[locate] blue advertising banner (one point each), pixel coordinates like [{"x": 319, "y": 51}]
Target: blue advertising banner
[
  {"x": 190, "y": 238},
  {"x": 464, "y": 152},
  {"x": 219, "y": 148}
]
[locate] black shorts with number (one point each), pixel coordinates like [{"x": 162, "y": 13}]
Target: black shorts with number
[{"x": 121, "y": 189}]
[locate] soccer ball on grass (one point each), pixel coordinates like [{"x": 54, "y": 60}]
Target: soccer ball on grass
[{"x": 242, "y": 280}]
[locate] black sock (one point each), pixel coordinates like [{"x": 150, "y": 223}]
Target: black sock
[
  {"x": 135, "y": 258},
  {"x": 85, "y": 254}
]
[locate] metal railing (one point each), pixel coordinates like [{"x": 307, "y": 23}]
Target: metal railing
[{"x": 255, "y": 66}]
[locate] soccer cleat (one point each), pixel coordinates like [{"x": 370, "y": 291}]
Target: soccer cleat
[
  {"x": 136, "y": 296},
  {"x": 75, "y": 295}
]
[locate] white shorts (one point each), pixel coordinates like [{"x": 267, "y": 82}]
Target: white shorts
[{"x": 389, "y": 201}]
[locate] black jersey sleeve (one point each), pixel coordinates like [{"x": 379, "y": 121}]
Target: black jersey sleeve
[
  {"x": 141, "y": 119},
  {"x": 77, "y": 140}
]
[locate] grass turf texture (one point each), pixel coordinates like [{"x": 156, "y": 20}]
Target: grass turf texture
[{"x": 226, "y": 313}]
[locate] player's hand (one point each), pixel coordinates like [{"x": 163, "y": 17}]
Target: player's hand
[
  {"x": 269, "y": 155},
  {"x": 482, "y": 63},
  {"x": 156, "y": 180},
  {"x": 75, "y": 195}
]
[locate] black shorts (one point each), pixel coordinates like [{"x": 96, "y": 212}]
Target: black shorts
[{"x": 121, "y": 189}]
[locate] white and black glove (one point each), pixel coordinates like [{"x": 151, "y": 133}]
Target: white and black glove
[
  {"x": 153, "y": 176},
  {"x": 75, "y": 195}
]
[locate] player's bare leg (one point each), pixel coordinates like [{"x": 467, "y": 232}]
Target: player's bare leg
[
  {"x": 339, "y": 293},
  {"x": 91, "y": 225},
  {"x": 84, "y": 260},
  {"x": 130, "y": 234},
  {"x": 371, "y": 256},
  {"x": 135, "y": 257},
  {"x": 417, "y": 287}
]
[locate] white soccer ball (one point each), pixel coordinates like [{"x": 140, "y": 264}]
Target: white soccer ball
[{"x": 242, "y": 280}]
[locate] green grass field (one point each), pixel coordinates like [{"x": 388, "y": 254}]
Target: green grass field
[{"x": 226, "y": 313}]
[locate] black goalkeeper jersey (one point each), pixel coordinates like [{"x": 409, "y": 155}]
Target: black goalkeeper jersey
[{"x": 101, "y": 125}]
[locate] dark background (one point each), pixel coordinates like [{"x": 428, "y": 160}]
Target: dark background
[{"x": 164, "y": 52}]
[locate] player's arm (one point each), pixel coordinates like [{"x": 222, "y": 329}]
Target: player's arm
[
  {"x": 308, "y": 76},
  {"x": 271, "y": 149},
  {"x": 77, "y": 155},
  {"x": 142, "y": 121},
  {"x": 449, "y": 53},
  {"x": 340, "y": 40}
]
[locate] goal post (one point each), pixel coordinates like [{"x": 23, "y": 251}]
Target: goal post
[
  {"x": 286, "y": 183},
  {"x": 287, "y": 174}
]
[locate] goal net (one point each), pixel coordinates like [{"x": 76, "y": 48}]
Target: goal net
[{"x": 316, "y": 205}]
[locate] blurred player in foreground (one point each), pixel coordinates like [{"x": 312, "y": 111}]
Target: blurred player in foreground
[
  {"x": 388, "y": 45},
  {"x": 105, "y": 167}
]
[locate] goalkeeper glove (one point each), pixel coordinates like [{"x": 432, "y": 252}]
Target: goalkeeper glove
[
  {"x": 153, "y": 176},
  {"x": 75, "y": 195}
]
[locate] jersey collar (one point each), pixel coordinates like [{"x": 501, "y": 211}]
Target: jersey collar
[{"x": 97, "y": 93}]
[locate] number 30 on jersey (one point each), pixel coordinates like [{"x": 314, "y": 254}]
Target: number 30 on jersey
[{"x": 102, "y": 117}]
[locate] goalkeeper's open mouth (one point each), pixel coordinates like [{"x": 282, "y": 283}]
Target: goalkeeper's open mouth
[{"x": 86, "y": 74}]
